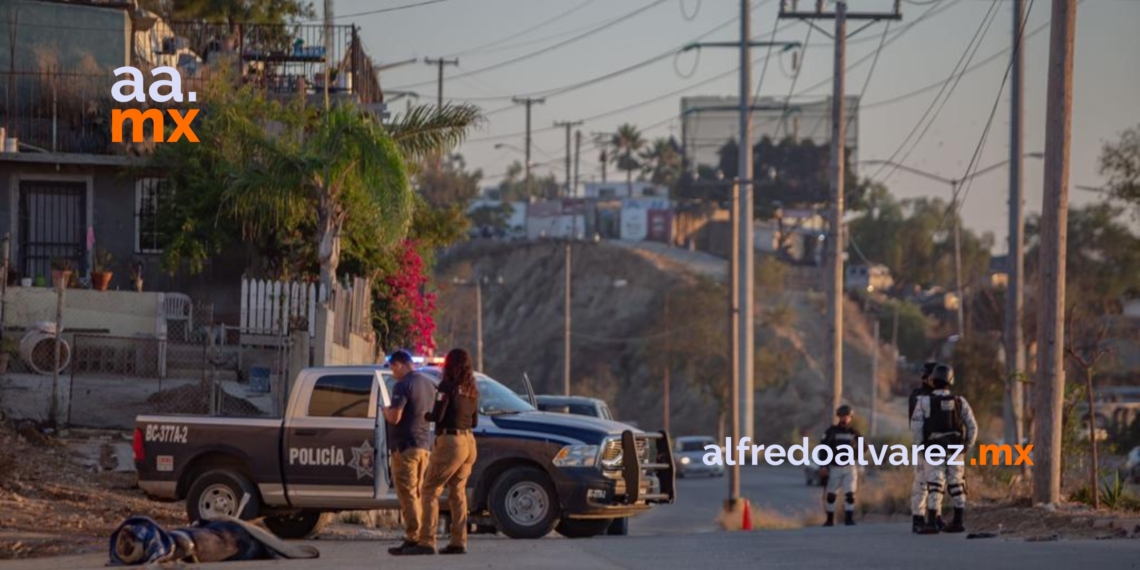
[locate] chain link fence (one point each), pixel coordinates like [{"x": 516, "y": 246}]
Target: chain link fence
[{"x": 115, "y": 379}]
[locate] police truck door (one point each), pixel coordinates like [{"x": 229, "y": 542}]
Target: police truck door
[{"x": 331, "y": 445}]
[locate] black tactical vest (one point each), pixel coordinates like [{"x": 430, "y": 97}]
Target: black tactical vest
[{"x": 944, "y": 425}]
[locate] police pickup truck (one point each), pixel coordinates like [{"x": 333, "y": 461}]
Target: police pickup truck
[{"x": 536, "y": 471}]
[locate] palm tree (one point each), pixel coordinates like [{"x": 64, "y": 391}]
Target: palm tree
[
  {"x": 428, "y": 131},
  {"x": 626, "y": 142},
  {"x": 320, "y": 166},
  {"x": 661, "y": 161}
]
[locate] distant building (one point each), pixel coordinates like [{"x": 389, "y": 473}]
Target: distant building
[
  {"x": 869, "y": 278},
  {"x": 619, "y": 189}
]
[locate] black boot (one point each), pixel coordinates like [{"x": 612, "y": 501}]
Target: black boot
[
  {"x": 941, "y": 523},
  {"x": 931, "y": 526},
  {"x": 956, "y": 524},
  {"x": 917, "y": 524},
  {"x": 849, "y": 518},
  {"x": 830, "y": 520}
]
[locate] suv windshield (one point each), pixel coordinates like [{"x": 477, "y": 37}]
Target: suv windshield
[{"x": 694, "y": 444}]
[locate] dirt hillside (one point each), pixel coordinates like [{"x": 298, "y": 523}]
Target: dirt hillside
[{"x": 618, "y": 300}]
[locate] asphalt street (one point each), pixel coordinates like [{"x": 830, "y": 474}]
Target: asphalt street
[{"x": 685, "y": 536}]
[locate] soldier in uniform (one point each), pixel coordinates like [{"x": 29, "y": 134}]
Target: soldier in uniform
[
  {"x": 918, "y": 489},
  {"x": 842, "y": 477},
  {"x": 941, "y": 420}
]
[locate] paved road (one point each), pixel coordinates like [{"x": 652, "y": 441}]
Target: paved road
[
  {"x": 684, "y": 536},
  {"x": 882, "y": 546},
  {"x": 779, "y": 489}
]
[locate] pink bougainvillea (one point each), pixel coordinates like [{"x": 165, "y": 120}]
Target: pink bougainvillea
[{"x": 410, "y": 306}]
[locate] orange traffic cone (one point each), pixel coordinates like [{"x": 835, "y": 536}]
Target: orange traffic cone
[{"x": 746, "y": 524}]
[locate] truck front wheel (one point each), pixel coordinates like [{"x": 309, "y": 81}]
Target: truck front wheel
[
  {"x": 297, "y": 525},
  {"x": 220, "y": 492},
  {"x": 524, "y": 503}
]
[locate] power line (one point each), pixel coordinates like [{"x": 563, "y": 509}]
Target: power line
[
  {"x": 553, "y": 92},
  {"x": 380, "y": 10},
  {"x": 523, "y": 32},
  {"x": 956, "y": 204},
  {"x": 966, "y": 57},
  {"x": 550, "y": 48},
  {"x": 988, "y": 60}
]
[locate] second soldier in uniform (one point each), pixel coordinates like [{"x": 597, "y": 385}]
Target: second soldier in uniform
[
  {"x": 842, "y": 477},
  {"x": 943, "y": 420}
]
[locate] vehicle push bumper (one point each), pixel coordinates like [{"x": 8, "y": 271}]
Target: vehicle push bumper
[
  {"x": 627, "y": 490},
  {"x": 660, "y": 467}
]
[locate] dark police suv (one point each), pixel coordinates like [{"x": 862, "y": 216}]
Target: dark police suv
[{"x": 536, "y": 471}]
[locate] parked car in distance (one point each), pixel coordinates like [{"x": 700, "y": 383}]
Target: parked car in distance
[
  {"x": 690, "y": 452},
  {"x": 575, "y": 405}
]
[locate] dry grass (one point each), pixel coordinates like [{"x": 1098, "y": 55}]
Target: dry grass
[{"x": 762, "y": 519}]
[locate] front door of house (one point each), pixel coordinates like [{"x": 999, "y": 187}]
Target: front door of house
[{"x": 52, "y": 226}]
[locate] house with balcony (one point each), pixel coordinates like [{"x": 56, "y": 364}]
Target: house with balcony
[{"x": 67, "y": 191}]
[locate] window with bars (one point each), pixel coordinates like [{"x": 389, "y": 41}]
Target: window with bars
[{"x": 149, "y": 234}]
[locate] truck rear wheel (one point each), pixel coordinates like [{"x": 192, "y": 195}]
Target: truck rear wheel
[
  {"x": 582, "y": 528},
  {"x": 297, "y": 525},
  {"x": 524, "y": 503},
  {"x": 220, "y": 492}
]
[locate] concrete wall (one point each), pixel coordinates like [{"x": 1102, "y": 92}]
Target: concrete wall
[
  {"x": 74, "y": 34},
  {"x": 117, "y": 313}
]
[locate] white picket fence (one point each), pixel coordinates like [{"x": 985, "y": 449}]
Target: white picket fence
[{"x": 267, "y": 307}]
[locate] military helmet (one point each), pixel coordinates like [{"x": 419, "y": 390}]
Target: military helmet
[
  {"x": 844, "y": 410},
  {"x": 942, "y": 375}
]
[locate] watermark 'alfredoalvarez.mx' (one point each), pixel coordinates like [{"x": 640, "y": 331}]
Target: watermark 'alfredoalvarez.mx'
[{"x": 897, "y": 455}]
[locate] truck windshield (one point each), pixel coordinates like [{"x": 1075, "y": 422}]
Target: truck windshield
[{"x": 494, "y": 398}]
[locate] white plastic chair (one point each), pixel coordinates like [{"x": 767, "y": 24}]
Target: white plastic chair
[{"x": 178, "y": 307}]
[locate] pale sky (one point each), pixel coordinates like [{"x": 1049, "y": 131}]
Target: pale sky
[{"x": 484, "y": 33}]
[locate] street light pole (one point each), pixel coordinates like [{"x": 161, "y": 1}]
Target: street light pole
[{"x": 479, "y": 324}]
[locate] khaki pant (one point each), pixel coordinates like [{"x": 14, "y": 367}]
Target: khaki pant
[
  {"x": 408, "y": 468},
  {"x": 450, "y": 465}
]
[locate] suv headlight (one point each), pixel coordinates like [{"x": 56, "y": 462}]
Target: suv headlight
[{"x": 576, "y": 456}]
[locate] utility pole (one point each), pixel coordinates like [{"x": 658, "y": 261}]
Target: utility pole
[
  {"x": 566, "y": 327},
  {"x": 835, "y": 253},
  {"x": 733, "y": 344},
  {"x": 577, "y": 158},
  {"x": 838, "y": 167},
  {"x": 1048, "y": 394},
  {"x": 874, "y": 373},
  {"x": 666, "y": 380},
  {"x": 745, "y": 370},
  {"x": 477, "y": 282},
  {"x": 528, "y": 101},
  {"x": 569, "y": 125},
  {"x": 1014, "y": 298},
  {"x": 961, "y": 316},
  {"x": 743, "y": 250},
  {"x": 440, "y": 62}
]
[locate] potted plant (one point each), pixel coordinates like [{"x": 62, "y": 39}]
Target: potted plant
[
  {"x": 60, "y": 272},
  {"x": 101, "y": 276}
]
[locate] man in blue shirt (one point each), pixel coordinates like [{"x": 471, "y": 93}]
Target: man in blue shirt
[{"x": 409, "y": 440}]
